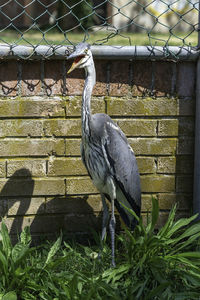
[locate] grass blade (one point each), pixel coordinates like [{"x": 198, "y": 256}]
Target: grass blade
[
  {"x": 154, "y": 215},
  {"x": 180, "y": 224},
  {"x": 4, "y": 263},
  {"x": 168, "y": 225},
  {"x": 157, "y": 291},
  {"x": 190, "y": 254},
  {"x": 53, "y": 250},
  {"x": 6, "y": 242},
  {"x": 191, "y": 231}
]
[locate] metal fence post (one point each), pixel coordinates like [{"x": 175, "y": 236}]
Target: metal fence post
[
  {"x": 198, "y": 45},
  {"x": 196, "y": 187}
]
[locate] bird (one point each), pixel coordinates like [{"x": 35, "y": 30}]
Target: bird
[{"x": 106, "y": 154}]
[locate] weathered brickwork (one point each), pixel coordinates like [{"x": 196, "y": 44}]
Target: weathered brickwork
[{"x": 43, "y": 182}]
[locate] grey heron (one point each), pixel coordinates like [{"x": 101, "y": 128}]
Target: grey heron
[{"x": 106, "y": 154}]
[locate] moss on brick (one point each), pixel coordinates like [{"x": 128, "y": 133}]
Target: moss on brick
[
  {"x": 29, "y": 206},
  {"x": 83, "y": 204},
  {"x": 146, "y": 202},
  {"x": 153, "y": 146},
  {"x": 168, "y": 127},
  {"x": 2, "y": 168},
  {"x": 156, "y": 183},
  {"x": 21, "y": 128},
  {"x": 31, "y": 108},
  {"x": 142, "y": 107},
  {"x": 62, "y": 127},
  {"x": 37, "y": 167},
  {"x": 80, "y": 185},
  {"x": 141, "y": 127},
  {"x": 168, "y": 200},
  {"x": 31, "y": 147},
  {"x": 66, "y": 167},
  {"x": 166, "y": 165},
  {"x": 146, "y": 165},
  {"x": 32, "y": 187},
  {"x": 73, "y": 106},
  {"x": 73, "y": 147}
]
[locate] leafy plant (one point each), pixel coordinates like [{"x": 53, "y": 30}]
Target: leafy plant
[
  {"x": 162, "y": 265},
  {"x": 12, "y": 261}
]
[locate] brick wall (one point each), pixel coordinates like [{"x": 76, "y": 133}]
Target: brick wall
[{"x": 43, "y": 182}]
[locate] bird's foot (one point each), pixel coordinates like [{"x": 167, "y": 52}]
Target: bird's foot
[
  {"x": 99, "y": 256},
  {"x": 113, "y": 265}
]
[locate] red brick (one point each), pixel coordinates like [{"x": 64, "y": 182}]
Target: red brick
[
  {"x": 142, "y": 78},
  {"x": 8, "y": 78},
  {"x": 100, "y": 88},
  {"x": 163, "y": 78},
  {"x": 119, "y": 78},
  {"x": 75, "y": 81},
  {"x": 53, "y": 78}
]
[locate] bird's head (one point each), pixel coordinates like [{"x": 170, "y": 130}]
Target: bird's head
[{"x": 82, "y": 57}]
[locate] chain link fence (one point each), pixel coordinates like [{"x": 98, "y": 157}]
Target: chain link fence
[{"x": 53, "y": 24}]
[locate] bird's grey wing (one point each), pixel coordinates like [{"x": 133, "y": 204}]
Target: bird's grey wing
[
  {"x": 84, "y": 161},
  {"x": 122, "y": 163}
]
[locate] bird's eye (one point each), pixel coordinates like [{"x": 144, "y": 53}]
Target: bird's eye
[{"x": 86, "y": 51}]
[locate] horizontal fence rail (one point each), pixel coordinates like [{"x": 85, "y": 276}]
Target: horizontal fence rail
[{"x": 102, "y": 52}]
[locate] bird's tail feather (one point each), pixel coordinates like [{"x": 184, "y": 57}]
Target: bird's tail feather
[{"x": 130, "y": 218}]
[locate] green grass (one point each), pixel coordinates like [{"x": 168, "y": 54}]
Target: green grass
[
  {"x": 54, "y": 37},
  {"x": 163, "y": 265}
]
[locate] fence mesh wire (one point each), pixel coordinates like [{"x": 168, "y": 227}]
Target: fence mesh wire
[{"x": 113, "y": 22}]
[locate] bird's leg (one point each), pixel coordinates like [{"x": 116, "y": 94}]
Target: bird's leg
[
  {"x": 112, "y": 232},
  {"x": 112, "y": 220},
  {"x": 104, "y": 221},
  {"x": 105, "y": 217}
]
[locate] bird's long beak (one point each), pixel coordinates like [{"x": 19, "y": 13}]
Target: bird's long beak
[
  {"x": 73, "y": 66},
  {"x": 76, "y": 63}
]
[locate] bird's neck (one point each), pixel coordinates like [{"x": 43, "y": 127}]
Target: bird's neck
[{"x": 90, "y": 81}]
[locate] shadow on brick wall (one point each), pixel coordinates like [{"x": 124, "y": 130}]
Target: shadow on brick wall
[
  {"x": 72, "y": 215},
  {"x": 11, "y": 195}
]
